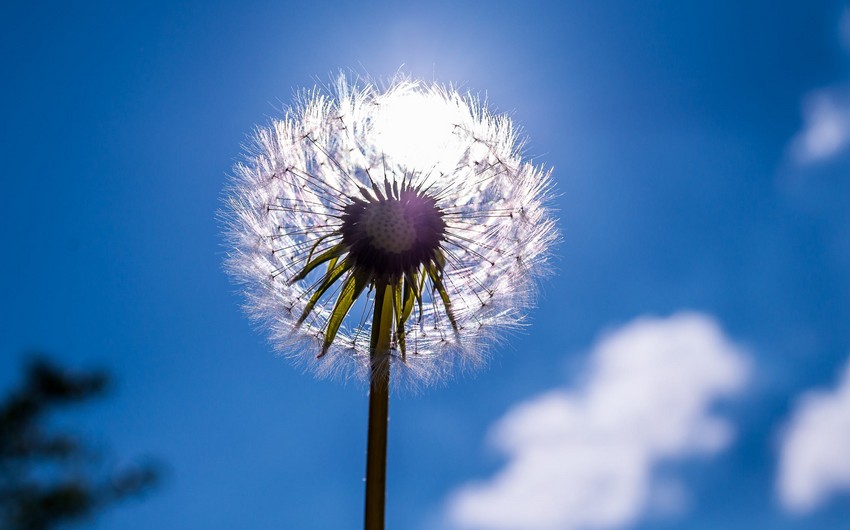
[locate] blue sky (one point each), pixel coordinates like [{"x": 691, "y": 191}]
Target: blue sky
[{"x": 701, "y": 159}]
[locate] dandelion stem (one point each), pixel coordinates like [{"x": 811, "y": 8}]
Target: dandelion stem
[{"x": 379, "y": 398}]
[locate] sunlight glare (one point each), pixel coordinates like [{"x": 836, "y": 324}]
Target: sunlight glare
[{"x": 417, "y": 131}]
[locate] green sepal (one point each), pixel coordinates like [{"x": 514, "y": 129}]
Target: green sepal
[
  {"x": 410, "y": 294},
  {"x": 417, "y": 284},
  {"x": 334, "y": 273},
  {"x": 411, "y": 289},
  {"x": 440, "y": 260},
  {"x": 436, "y": 276},
  {"x": 316, "y": 245},
  {"x": 351, "y": 290},
  {"x": 334, "y": 252},
  {"x": 398, "y": 311}
]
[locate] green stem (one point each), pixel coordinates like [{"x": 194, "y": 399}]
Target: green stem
[{"x": 379, "y": 400}]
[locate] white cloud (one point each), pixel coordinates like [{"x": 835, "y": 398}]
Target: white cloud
[
  {"x": 587, "y": 458},
  {"x": 815, "y": 454},
  {"x": 826, "y": 116},
  {"x": 826, "y": 129}
]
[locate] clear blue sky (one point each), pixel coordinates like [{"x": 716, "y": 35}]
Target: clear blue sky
[{"x": 671, "y": 127}]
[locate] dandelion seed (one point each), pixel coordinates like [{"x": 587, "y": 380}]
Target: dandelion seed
[{"x": 394, "y": 230}]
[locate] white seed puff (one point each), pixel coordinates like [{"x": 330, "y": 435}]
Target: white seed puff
[{"x": 414, "y": 184}]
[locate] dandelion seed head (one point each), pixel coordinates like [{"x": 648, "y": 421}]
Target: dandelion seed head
[{"x": 413, "y": 187}]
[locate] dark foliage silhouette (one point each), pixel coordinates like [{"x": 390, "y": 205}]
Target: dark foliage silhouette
[{"x": 48, "y": 478}]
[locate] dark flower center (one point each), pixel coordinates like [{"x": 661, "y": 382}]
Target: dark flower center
[{"x": 393, "y": 235}]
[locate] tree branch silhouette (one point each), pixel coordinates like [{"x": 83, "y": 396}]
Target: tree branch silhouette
[{"x": 52, "y": 478}]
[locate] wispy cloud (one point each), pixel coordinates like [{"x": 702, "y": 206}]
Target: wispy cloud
[
  {"x": 815, "y": 455},
  {"x": 826, "y": 116},
  {"x": 587, "y": 458},
  {"x": 826, "y": 127}
]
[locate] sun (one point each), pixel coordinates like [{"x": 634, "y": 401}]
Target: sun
[{"x": 419, "y": 129}]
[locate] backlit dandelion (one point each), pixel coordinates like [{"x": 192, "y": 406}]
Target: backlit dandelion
[{"x": 395, "y": 231}]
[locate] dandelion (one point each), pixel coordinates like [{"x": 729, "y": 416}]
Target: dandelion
[{"x": 388, "y": 231}]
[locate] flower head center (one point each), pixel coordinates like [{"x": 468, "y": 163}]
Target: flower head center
[
  {"x": 395, "y": 234},
  {"x": 389, "y": 227}
]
